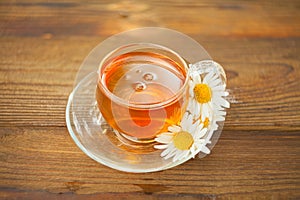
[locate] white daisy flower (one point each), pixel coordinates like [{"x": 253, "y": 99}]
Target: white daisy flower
[
  {"x": 219, "y": 115},
  {"x": 183, "y": 141},
  {"x": 207, "y": 96}
]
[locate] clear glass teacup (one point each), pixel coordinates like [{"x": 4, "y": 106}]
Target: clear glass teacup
[{"x": 142, "y": 89}]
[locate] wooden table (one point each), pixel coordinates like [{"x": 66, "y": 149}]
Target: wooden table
[{"x": 43, "y": 44}]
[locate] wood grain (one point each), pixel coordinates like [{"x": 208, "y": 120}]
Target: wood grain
[
  {"x": 263, "y": 86},
  {"x": 218, "y": 18},
  {"x": 43, "y": 44},
  {"x": 59, "y": 167}
]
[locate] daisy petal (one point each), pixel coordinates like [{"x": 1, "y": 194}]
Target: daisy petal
[
  {"x": 167, "y": 151},
  {"x": 215, "y": 77},
  {"x": 185, "y": 121},
  {"x": 223, "y": 102},
  {"x": 180, "y": 155},
  {"x": 191, "y": 89},
  {"x": 219, "y": 112},
  {"x": 185, "y": 155},
  {"x": 215, "y": 83},
  {"x": 200, "y": 126},
  {"x": 174, "y": 129},
  {"x": 162, "y": 146},
  {"x": 201, "y": 133},
  {"x": 205, "y": 111},
  {"x": 193, "y": 107},
  {"x": 197, "y": 106},
  {"x": 192, "y": 128},
  {"x": 205, "y": 150},
  {"x": 212, "y": 79},
  {"x": 193, "y": 150},
  {"x": 219, "y": 88},
  {"x": 171, "y": 154},
  {"x": 164, "y": 138},
  {"x": 197, "y": 150},
  {"x": 197, "y": 78},
  {"x": 189, "y": 106},
  {"x": 219, "y": 118},
  {"x": 208, "y": 77},
  {"x": 219, "y": 94}
]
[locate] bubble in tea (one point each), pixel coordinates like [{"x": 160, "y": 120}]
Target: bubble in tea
[
  {"x": 148, "y": 77},
  {"x": 139, "y": 86}
]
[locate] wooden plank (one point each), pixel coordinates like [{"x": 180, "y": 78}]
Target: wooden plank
[
  {"x": 265, "y": 88},
  {"x": 48, "y": 162},
  {"x": 218, "y": 18}
]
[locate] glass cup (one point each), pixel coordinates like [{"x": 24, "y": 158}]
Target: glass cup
[{"x": 142, "y": 89}]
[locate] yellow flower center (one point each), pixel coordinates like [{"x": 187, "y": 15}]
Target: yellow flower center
[
  {"x": 202, "y": 93},
  {"x": 183, "y": 140},
  {"x": 206, "y": 122}
]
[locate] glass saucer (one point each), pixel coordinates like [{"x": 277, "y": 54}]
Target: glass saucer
[
  {"x": 88, "y": 128},
  {"x": 99, "y": 141}
]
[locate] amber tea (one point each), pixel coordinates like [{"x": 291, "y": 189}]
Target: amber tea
[{"x": 142, "y": 89}]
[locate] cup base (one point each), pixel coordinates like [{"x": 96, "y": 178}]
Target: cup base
[
  {"x": 126, "y": 139},
  {"x": 132, "y": 144}
]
